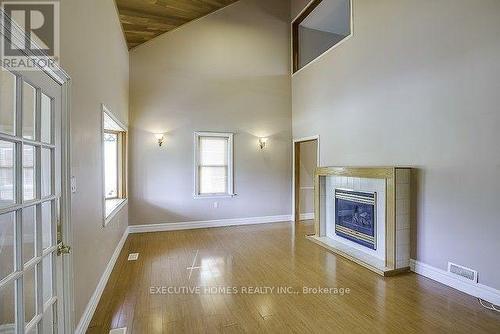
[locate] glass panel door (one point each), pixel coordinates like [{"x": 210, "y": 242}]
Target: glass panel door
[{"x": 30, "y": 188}]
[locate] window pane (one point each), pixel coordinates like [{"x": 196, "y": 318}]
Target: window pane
[
  {"x": 28, "y": 172},
  {"x": 7, "y": 222},
  {"x": 47, "y": 277},
  {"x": 7, "y": 309},
  {"x": 213, "y": 180},
  {"x": 213, "y": 151},
  {"x": 111, "y": 165},
  {"x": 47, "y": 225},
  {"x": 46, "y": 118},
  {"x": 29, "y": 294},
  {"x": 7, "y": 102},
  {"x": 29, "y": 105},
  {"x": 6, "y": 174},
  {"x": 48, "y": 321},
  {"x": 46, "y": 172},
  {"x": 29, "y": 217},
  {"x": 33, "y": 329}
]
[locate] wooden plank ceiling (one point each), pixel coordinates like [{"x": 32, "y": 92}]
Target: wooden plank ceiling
[{"x": 143, "y": 20}]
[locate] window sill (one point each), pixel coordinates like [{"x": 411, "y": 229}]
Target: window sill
[
  {"x": 212, "y": 196},
  {"x": 112, "y": 207}
]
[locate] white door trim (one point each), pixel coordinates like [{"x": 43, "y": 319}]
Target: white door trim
[
  {"x": 57, "y": 73},
  {"x": 67, "y": 231},
  {"x": 295, "y": 141}
]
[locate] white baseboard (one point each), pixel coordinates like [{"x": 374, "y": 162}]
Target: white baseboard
[
  {"x": 96, "y": 296},
  {"x": 474, "y": 289},
  {"x": 162, "y": 227},
  {"x": 306, "y": 216}
]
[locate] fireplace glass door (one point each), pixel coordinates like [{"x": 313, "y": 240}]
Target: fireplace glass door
[{"x": 355, "y": 217}]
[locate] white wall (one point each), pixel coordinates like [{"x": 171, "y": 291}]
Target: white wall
[
  {"x": 418, "y": 85},
  {"x": 227, "y": 72},
  {"x": 94, "y": 54}
]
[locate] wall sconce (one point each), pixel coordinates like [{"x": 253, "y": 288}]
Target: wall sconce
[
  {"x": 262, "y": 142},
  {"x": 160, "y": 137}
]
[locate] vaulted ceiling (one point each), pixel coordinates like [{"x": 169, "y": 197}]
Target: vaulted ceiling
[{"x": 143, "y": 20}]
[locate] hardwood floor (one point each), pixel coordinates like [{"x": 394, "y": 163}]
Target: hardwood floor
[{"x": 271, "y": 255}]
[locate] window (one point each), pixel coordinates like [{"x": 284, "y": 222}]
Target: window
[
  {"x": 214, "y": 164},
  {"x": 115, "y": 164},
  {"x": 111, "y": 164}
]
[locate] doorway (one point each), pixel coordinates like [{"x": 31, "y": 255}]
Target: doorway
[{"x": 305, "y": 161}]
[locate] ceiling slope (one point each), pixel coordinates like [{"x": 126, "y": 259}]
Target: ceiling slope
[{"x": 143, "y": 20}]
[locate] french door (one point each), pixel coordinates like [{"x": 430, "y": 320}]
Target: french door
[{"x": 30, "y": 189}]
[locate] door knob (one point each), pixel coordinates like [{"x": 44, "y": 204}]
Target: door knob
[{"x": 63, "y": 249}]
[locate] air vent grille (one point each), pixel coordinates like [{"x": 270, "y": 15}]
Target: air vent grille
[
  {"x": 133, "y": 256},
  {"x": 463, "y": 272}
]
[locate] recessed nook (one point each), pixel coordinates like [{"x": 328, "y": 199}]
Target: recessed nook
[{"x": 322, "y": 25}]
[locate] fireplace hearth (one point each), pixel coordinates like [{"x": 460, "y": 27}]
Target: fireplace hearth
[{"x": 355, "y": 216}]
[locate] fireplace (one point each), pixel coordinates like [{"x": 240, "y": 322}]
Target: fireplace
[
  {"x": 363, "y": 214},
  {"x": 355, "y": 216}
]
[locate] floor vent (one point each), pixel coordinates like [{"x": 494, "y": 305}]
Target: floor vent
[
  {"x": 463, "y": 272},
  {"x": 133, "y": 256}
]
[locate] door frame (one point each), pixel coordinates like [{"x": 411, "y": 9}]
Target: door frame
[
  {"x": 296, "y": 171},
  {"x": 57, "y": 73}
]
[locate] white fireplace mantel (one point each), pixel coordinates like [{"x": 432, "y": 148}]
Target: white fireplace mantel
[{"x": 392, "y": 186}]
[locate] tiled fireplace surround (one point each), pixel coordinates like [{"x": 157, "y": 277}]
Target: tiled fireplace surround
[{"x": 393, "y": 216}]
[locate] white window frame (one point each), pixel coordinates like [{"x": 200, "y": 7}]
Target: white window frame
[
  {"x": 107, "y": 218},
  {"x": 230, "y": 162}
]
